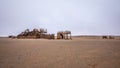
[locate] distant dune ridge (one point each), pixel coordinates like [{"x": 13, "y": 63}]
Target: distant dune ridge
[
  {"x": 98, "y": 37},
  {"x": 42, "y": 34}
]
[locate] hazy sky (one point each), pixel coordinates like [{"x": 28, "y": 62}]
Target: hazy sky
[{"x": 82, "y": 17}]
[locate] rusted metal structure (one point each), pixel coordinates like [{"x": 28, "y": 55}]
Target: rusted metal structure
[
  {"x": 64, "y": 35},
  {"x": 42, "y": 33}
]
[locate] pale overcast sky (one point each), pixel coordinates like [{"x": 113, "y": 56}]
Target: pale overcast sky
[{"x": 82, "y": 17}]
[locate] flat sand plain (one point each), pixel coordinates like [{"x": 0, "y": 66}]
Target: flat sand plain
[{"x": 75, "y": 53}]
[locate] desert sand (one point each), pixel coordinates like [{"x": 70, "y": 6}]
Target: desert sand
[{"x": 75, "y": 53}]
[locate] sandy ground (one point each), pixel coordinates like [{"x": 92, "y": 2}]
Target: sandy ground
[{"x": 76, "y": 53}]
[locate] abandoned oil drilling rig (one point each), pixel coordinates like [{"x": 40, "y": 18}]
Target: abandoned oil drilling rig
[{"x": 42, "y": 33}]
